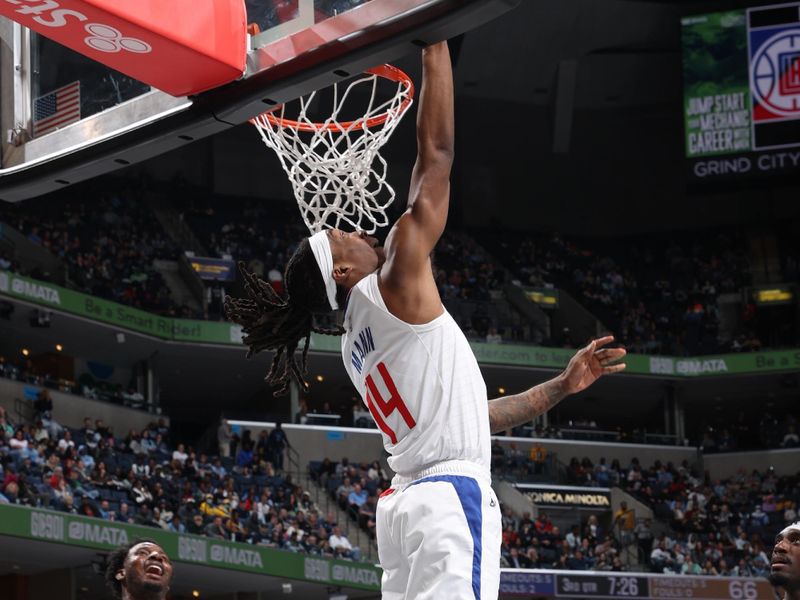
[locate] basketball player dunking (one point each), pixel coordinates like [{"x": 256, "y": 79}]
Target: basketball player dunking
[
  {"x": 785, "y": 569},
  {"x": 438, "y": 526}
]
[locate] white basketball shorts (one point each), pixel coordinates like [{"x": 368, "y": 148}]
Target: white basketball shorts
[{"x": 439, "y": 539}]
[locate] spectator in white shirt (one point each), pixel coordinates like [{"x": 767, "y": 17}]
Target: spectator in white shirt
[
  {"x": 791, "y": 439},
  {"x": 342, "y": 546},
  {"x": 40, "y": 433},
  {"x": 224, "y": 436},
  {"x": 65, "y": 442},
  {"x": 18, "y": 442},
  {"x": 493, "y": 337},
  {"x": 180, "y": 454},
  {"x": 790, "y": 514},
  {"x": 573, "y": 537}
]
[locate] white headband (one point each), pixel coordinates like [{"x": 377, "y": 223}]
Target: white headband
[
  {"x": 795, "y": 525},
  {"x": 321, "y": 247}
]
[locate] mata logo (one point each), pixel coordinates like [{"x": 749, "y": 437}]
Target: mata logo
[{"x": 775, "y": 72}]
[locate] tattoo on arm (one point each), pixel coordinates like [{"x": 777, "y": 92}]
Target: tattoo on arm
[{"x": 512, "y": 411}]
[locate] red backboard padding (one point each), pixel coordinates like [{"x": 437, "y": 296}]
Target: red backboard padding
[{"x": 181, "y": 47}]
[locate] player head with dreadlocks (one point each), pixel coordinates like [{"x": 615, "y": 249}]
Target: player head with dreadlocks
[{"x": 318, "y": 277}]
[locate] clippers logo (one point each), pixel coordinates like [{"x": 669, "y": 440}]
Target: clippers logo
[
  {"x": 102, "y": 38},
  {"x": 775, "y": 76}
]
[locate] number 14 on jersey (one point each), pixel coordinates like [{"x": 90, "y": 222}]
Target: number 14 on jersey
[{"x": 381, "y": 409}]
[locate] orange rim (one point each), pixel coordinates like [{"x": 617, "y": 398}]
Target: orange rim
[{"x": 386, "y": 71}]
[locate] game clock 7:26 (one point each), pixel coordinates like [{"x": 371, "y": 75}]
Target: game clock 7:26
[{"x": 601, "y": 586}]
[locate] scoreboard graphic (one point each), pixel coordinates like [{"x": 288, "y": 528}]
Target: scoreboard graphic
[
  {"x": 574, "y": 585},
  {"x": 741, "y": 74}
]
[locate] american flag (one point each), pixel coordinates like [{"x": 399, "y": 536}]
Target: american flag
[{"x": 57, "y": 109}]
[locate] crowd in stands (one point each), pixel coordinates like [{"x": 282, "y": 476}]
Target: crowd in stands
[
  {"x": 261, "y": 234},
  {"x": 147, "y": 478},
  {"x": 463, "y": 271},
  {"x": 537, "y": 543},
  {"x": 471, "y": 287},
  {"x": 702, "y": 527},
  {"x": 108, "y": 242},
  {"x": 659, "y": 295},
  {"x": 713, "y": 527},
  {"x": 355, "y": 487},
  {"x": 265, "y": 234},
  {"x": 27, "y": 371},
  {"x": 771, "y": 432},
  {"x": 7, "y": 262}
]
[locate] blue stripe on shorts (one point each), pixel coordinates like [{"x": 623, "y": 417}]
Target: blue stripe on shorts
[{"x": 469, "y": 493}]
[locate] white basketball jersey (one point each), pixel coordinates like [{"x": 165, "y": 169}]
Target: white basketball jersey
[{"x": 421, "y": 383}]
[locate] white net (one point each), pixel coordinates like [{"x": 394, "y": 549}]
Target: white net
[{"x": 335, "y": 167}]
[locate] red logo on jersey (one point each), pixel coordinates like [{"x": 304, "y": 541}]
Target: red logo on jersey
[{"x": 379, "y": 408}]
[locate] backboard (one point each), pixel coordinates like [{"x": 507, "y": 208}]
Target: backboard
[{"x": 65, "y": 118}]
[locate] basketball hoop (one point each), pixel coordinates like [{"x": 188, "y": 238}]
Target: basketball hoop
[{"x": 337, "y": 173}]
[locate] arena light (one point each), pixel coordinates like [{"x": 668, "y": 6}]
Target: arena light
[
  {"x": 195, "y": 593},
  {"x": 320, "y": 378},
  {"x": 501, "y": 390},
  {"x": 773, "y": 296},
  {"x": 59, "y": 347},
  {"x": 25, "y": 352}
]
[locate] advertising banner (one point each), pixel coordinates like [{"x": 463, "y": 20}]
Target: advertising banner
[
  {"x": 741, "y": 71},
  {"x": 55, "y": 527},
  {"x": 567, "y": 496},
  {"x": 527, "y": 583},
  {"x": 97, "y": 534},
  {"x": 150, "y": 40},
  {"x": 544, "y": 297},
  {"x": 213, "y": 269},
  {"x": 219, "y": 332}
]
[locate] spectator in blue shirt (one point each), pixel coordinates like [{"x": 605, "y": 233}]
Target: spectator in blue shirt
[
  {"x": 147, "y": 443},
  {"x": 244, "y": 458},
  {"x": 175, "y": 525},
  {"x": 357, "y": 498},
  {"x": 277, "y": 442},
  {"x": 218, "y": 469}
]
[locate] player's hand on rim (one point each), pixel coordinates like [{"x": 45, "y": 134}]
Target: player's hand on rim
[{"x": 590, "y": 363}]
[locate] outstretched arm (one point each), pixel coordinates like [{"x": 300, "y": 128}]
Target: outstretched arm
[
  {"x": 407, "y": 278},
  {"x": 586, "y": 367},
  {"x": 512, "y": 411}
]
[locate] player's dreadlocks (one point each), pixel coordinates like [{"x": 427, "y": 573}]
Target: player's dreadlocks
[{"x": 271, "y": 323}]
